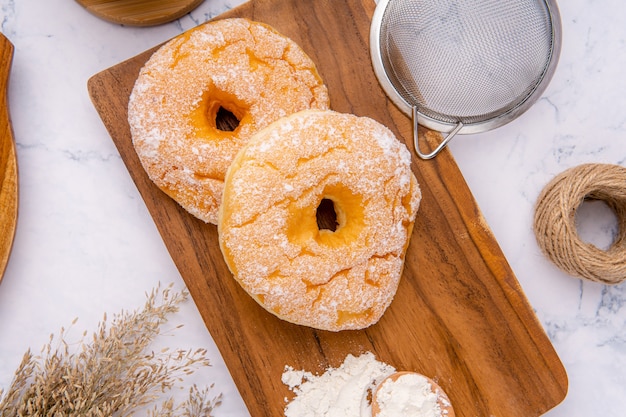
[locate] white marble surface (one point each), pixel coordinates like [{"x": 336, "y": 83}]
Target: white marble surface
[{"x": 86, "y": 244}]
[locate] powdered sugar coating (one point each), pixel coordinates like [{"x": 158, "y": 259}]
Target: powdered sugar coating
[
  {"x": 337, "y": 280},
  {"x": 247, "y": 68}
]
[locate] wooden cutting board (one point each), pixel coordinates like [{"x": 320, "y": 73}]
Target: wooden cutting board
[
  {"x": 459, "y": 316},
  {"x": 8, "y": 160}
]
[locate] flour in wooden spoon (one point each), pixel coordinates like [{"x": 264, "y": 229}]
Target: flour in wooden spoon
[{"x": 409, "y": 395}]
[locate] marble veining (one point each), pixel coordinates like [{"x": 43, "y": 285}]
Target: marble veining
[{"x": 86, "y": 244}]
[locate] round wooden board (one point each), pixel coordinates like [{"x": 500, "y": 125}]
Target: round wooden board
[
  {"x": 140, "y": 12},
  {"x": 8, "y": 161}
]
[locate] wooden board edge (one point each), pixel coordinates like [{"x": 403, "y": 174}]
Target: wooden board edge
[{"x": 516, "y": 292}]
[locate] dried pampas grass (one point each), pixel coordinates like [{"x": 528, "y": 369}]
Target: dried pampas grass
[{"x": 112, "y": 374}]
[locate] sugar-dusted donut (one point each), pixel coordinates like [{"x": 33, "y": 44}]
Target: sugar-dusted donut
[
  {"x": 236, "y": 71},
  {"x": 326, "y": 278}
]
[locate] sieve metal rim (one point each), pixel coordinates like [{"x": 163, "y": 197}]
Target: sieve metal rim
[{"x": 453, "y": 129}]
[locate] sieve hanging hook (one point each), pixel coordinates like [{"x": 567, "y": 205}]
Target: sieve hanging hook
[{"x": 439, "y": 148}]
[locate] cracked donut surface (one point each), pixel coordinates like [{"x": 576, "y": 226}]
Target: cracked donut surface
[
  {"x": 237, "y": 67},
  {"x": 326, "y": 278}
]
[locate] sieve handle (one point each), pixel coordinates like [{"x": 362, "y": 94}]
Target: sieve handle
[{"x": 442, "y": 145}]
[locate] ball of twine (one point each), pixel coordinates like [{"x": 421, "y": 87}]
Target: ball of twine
[{"x": 555, "y": 228}]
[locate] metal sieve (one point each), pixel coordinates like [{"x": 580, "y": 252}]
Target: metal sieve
[{"x": 464, "y": 66}]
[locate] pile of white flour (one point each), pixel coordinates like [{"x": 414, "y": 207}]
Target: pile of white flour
[{"x": 338, "y": 392}]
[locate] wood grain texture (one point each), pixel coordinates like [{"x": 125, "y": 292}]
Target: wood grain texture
[
  {"x": 140, "y": 12},
  {"x": 8, "y": 161},
  {"x": 459, "y": 316}
]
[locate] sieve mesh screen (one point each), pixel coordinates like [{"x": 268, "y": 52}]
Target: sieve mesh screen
[{"x": 465, "y": 60}]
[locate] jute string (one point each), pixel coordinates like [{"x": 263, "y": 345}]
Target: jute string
[{"x": 555, "y": 227}]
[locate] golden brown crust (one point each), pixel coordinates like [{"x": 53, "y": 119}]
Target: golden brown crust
[
  {"x": 239, "y": 65},
  {"x": 331, "y": 280}
]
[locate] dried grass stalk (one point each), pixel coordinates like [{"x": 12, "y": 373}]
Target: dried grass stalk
[{"x": 112, "y": 374}]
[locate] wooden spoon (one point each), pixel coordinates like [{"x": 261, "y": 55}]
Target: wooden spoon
[
  {"x": 442, "y": 399},
  {"x": 140, "y": 12},
  {"x": 8, "y": 161}
]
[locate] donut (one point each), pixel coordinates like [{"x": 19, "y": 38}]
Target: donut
[
  {"x": 328, "y": 278},
  {"x": 203, "y": 94}
]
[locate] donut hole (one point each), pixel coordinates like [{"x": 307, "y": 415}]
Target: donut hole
[
  {"x": 336, "y": 219},
  {"x": 219, "y": 115},
  {"x": 224, "y": 115},
  {"x": 326, "y": 215},
  {"x": 225, "y": 120}
]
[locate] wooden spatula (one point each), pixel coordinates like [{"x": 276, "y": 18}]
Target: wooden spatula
[
  {"x": 8, "y": 161},
  {"x": 140, "y": 12}
]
